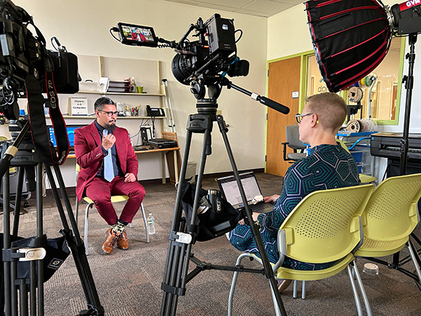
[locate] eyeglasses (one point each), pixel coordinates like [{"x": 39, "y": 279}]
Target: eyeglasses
[
  {"x": 109, "y": 113},
  {"x": 299, "y": 117}
]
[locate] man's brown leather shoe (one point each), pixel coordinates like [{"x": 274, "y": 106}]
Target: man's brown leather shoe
[
  {"x": 109, "y": 243},
  {"x": 123, "y": 242}
]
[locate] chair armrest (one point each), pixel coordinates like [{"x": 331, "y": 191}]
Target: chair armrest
[
  {"x": 282, "y": 249},
  {"x": 285, "y": 151}
]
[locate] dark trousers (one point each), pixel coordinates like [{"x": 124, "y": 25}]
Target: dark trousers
[{"x": 100, "y": 191}]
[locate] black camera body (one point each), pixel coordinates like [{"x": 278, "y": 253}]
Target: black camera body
[
  {"x": 24, "y": 53},
  {"x": 202, "y": 60}
]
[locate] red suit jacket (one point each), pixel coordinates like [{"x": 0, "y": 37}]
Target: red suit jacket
[{"x": 90, "y": 157}]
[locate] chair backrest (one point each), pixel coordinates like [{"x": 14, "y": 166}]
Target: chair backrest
[
  {"x": 293, "y": 137},
  {"x": 325, "y": 225},
  {"x": 391, "y": 212}
]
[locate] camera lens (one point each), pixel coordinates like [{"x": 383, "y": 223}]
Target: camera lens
[{"x": 182, "y": 68}]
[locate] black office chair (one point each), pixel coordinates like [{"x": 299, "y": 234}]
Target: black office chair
[{"x": 293, "y": 141}]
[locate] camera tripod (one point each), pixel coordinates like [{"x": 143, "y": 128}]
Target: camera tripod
[
  {"x": 11, "y": 256},
  {"x": 179, "y": 250}
]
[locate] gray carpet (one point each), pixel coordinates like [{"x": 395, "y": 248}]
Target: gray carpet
[{"x": 129, "y": 282}]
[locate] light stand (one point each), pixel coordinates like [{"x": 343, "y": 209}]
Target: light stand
[{"x": 179, "y": 253}]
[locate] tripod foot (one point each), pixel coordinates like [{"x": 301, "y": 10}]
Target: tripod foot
[{"x": 90, "y": 312}]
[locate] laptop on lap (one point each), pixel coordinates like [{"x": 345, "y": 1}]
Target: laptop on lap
[{"x": 229, "y": 188}]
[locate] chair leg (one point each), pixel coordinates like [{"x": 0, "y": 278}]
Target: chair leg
[
  {"x": 234, "y": 281},
  {"x": 145, "y": 222},
  {"x": 76, "y": 210},
  {"x": 277, "y": 310},
  {"x": 294, "y": 291},
  {"x": 353, "y": 273},
  {"x": 362, "y": 290},
  {"x": 303, "y": 291},
  {"x": 414, "y": 260},
  {"x": 85, "y": 237}
]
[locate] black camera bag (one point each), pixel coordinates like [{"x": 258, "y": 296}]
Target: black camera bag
[
  {"x": 65, "y": 71},
  {"x": 210, "y": 224}
]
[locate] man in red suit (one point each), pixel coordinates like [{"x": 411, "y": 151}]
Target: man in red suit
[{"x": 108, "y": 167}]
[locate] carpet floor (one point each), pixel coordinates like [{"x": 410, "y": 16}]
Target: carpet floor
[{"x": 128, "y": 282}]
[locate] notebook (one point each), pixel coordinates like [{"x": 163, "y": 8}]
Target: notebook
[{"x": 229, "y": 188}]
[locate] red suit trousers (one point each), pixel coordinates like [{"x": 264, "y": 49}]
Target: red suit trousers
[{"x": 100, "y": 190}]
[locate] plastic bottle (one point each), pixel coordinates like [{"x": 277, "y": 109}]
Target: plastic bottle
[{"x": 151, "y": 224}]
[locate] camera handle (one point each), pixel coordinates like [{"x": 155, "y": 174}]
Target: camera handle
[
  {"x": 179, "y": 253},
  {"x": 72, "y": 237}
]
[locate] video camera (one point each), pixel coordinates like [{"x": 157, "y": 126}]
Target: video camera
[
  {"x": 22, "y": 53},
  {"x": 204, "y": 61}
]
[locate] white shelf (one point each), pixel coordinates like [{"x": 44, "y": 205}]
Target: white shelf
[
  {"x": 123, "y": 93},
  {"x": 118, "y": 117}
]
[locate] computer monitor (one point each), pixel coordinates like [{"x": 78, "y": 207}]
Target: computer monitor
[{"x": 70, "y": 134}]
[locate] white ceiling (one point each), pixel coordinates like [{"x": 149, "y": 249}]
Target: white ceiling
[{"x": 263, "y": 8}]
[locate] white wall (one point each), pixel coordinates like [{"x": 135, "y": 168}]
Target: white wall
[
  {"x": 292, "y": 24},
  {"x": 83, "y": 27}
]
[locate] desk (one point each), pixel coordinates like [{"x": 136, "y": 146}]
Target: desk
[{"x": 172, "y": 162}]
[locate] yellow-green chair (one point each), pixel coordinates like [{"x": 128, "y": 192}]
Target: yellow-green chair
[
  {"x": 114, "y": 199},
  {"x": 390, "y": 217},
  {"x": 323, "y": 227}
]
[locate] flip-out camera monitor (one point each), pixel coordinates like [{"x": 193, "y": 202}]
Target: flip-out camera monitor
[{"x": 137, "y": 35}]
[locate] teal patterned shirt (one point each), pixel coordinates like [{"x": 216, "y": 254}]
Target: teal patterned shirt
[{"x": 326, "y": 167}]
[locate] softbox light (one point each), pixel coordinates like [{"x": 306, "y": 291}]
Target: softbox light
[{"x": 350, "y": 38}]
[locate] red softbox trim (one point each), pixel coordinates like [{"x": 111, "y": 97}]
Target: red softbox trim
[{"x": 350, "y": 38}]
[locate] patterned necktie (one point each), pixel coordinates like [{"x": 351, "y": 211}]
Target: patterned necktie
[{"x": 108, "y": 164}]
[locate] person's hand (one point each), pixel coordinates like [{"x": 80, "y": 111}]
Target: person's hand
[
  {"x": 108, "y": 141},
  {"x": 253, "y": 216},
  {"x": 129, "y": 177},
  {"x": 271, "y": 199}
]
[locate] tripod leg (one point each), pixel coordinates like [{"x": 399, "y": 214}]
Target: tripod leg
[
  {"x": 6, "y": 243},
  {"x": 18, "y": 201},
  {"x": 254, "y": 229},
  {"x": 179, "y": 253},
  {"x": 173, "y": 263},
  {"x": 75, "y": 244}
]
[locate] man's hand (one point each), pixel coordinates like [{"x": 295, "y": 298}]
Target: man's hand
[
  {"x": 108, "y": 141},
  {"x": 129, "y": 177},
  {"x": 271, "y": 199}
]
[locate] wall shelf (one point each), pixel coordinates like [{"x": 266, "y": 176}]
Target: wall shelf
[
  {"x": 118, "y": 117},
  {"x": 125, "y": 94}
]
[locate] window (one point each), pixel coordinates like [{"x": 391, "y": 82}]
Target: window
[{"x": 381, "y": 88}]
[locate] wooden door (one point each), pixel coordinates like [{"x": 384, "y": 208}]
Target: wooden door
[{"x": 284, "y": 79}]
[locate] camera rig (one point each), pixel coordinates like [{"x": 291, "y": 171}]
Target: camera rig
[
  {"x": 27, "y": 69},
  {"x": 203, "y": 63}
]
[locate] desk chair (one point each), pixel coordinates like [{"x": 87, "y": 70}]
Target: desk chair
[
  {"x": 390, "y": 217},
  {"x": 114, "y": 199},
  {"x": 323, "y": 227},
  {"x": 293, "y": 141}
]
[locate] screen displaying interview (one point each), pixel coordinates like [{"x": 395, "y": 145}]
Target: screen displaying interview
[{"x": 137, "y": 35}]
